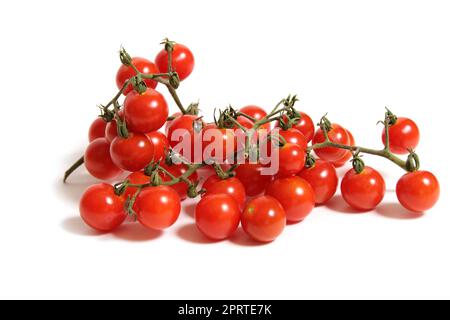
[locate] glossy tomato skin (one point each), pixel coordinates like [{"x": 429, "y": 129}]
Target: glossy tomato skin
[
  {"x": 160, "y": 145},
  {"x": 418, "y": 191},
  {"x": 218, "y": 144},
  {"x": 292, "y": 160},
  {"x": 158, "y": 207},
  {"x": 169, "y": 122},
  {"x": 348, "y": 154},
  {"x": 256, "y": 112},
  {"x": 251, "y": 177},
  {"x": 143, "y": 65},
  {"x": 184, "y": 122},
  {"x": 145, "y": 112},
  {"x": 133, "y": 153},
  {"x": 177, "y": 170},
  {"x": 101, "y": 208},
  {"x": 231, "y": 186},
  {"x": 182, "y": 61},
  {"x": 295, "y": 195},
  {"x": 337, "y": 134},
  {"x": 403, "y": 135},
  {"x": 98, "y": 162},
  {"x": 264, "y": 219},
  {"x": 323, "y": 179},
  {"x": 363, "y": 191},
  {"x": 182, "y": 132},
  {"x": 305, "y": 126},
  {"x": 137, "y": 177},
  {"x": 97, "y": 129},
  {"x": 217, "y": 216}
]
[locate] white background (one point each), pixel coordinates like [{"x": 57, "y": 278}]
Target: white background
[{"x": 349, "y": 58}]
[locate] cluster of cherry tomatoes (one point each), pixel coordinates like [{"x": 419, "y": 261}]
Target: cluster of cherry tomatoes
[{"x": 231, "y": 195}]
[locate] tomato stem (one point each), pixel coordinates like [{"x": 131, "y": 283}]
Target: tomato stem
[{"x": 74, "y": 167}]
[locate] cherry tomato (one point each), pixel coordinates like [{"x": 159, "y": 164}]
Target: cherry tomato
[
  {"x": 143, "y": 65},
  {"x": 98, "y": 162},
  {"x": 97, "y": 129},
  {"x": 182, "y": 61},
  {"x": 169, "y": 122},
  {"x": 323, "y": 179},
  {"x": 251, "y": 177},
  {"x": 231, "y": 186},
  {"x": 305, "y": 125},
  {"x": 158, "y": 207},
  {"x": 348, "y": 154},
  {"x": 403, "y": 135},
  {"x": 337, "y": 134},
  {"x": 363, "y": 191},
  {"x": 137, "y": 177},
  {"x": 178, "y": 170},
  {"x": 217, "y": 216},
  {"x": 101, "y": 208},
  {"x": 264, "y": 219},
  {"x": 182, "y": 132},
  {"x": 295, "y": 195},
  {"x": 145, "y": 112},
  {"x": 218, "y": 144},
  {"x": 294, "y": 136},
  {"x": 133, "y": 153},
  {"x": 291, "y": 160},
  {"x": 418, "y": 191},
  {"x": 160, "y": 145},
  {"x": 256, "y": 112}
]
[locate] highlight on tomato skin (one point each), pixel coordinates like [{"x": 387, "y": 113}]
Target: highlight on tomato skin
[
  {"x": 126, "y": 72},
  {"x": 404, "y": 136},
  {"x": 323, "y": 178},
  {"x": 418, "y": 191}
]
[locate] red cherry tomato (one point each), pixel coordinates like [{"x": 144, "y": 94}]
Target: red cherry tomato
[
  {"x": 133, "y": 153},
  {"x": 101, "y": 208},
  {"x": 160, "y": 145},
  {"x": 169, "y": 122},
  {"x": 264, "y": 219},
  {"x": 418, "y": 191},
  {"x": 145, "y": 112},
  {"x": 295, "y": 195},
  {"x": 337, "y": 134},
  {"x": 323, "y": 179},
  {"x": 218, "y": 144},
  {"x": 182, "y": 61},
  {"x": 178, "y": 170},
  {"x": 137, "y": 177},
  {"x": 294, "y": 136},
  {"x": 256, "y": 112},
  {"x": 158, "y": 207},
  {"x": 143, "y": 65},
  {"x": 305, "y": 125},
  {"x": 97, "y": 129},
  {"x": 217, "y": 216},
  {"x": 403, "y": 135},
  {"x": 291, "y": 160},
  {"x": 98, "y": 162},
  {"x": 348, "y": 154},
  {"x": 363, "y": 191},
  {"x": 230, "y": 186},
  {"x": 251, "y": 177},
  {"x": 182, "y": 132}
]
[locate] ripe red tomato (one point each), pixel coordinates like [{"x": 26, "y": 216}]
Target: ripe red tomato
[
  {"x": 264, "y": 219},
  {"x": 231, "y": 186},
  {"x": 133, "y": 153},
  {"x": 182, "y": 61},
  {"x": 169, "y": 122},
  {"x": 158, "y": 207},
  {"x": 101, "y": 208},
  {"x": 323, "y": 179},
  {"x": 160, "y": 145},
  {"x": 145, "y": 112},
  {"x": 178, "y": 170},
  {"x": 348, "y": 154},
  {"x": 218, "y": 144},
  {"x": 294, "y": 136},
  {"x": 251, "y": 177},
  {"x": 305, "y": 126},
  {"x": 291, "y": 160},
  {"x": 403, "y": 135},
  {"x": 418, "y": 191},
  {"x": 337, "y": 134},
  {"x": 182, "y": 132},
  {"x": 363, "y": 191},
  {"x": 217, "y": 216},
  {"x": 295, "y": 195},
  {"x": 98, "y": 161},
  {"x": 144, "y": 66},
  {"x": 97, "y": 129},
  {"x": 137, "y": 177},
  {"x": 256, "y": 112}
]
